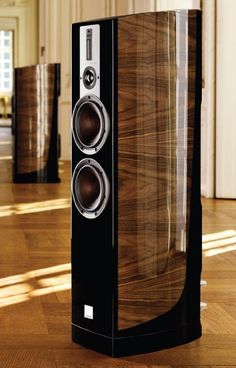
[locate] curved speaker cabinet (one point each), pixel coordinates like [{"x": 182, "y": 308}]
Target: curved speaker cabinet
[
  {"x": 136, "y": 210},
  {"x": 35, "y": 124}
]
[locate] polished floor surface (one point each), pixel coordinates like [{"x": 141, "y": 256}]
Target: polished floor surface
[{"x": 35, "y": 281}]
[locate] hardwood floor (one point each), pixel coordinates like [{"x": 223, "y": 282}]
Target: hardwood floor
[{"x": 35, "y": 282}]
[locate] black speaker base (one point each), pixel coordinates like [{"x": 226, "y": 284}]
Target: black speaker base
[
  {"x": 36, "y": 177},
  {"x": 19, "y": 180},
  {"x": 117, "y": 347}
]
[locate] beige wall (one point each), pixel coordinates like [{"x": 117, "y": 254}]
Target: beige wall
[
  {"x": 225, "y": 99},
  {"x": 55, "y": 21}
]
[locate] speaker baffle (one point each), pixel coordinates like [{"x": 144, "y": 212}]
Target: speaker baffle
[
  {"x": 90, "y": 188},
  {"x": 90, "y": 124}
]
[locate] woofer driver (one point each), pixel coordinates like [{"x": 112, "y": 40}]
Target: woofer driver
[
  {"x": 90, "y": 188},
  {"x": 90, "y": 124}
]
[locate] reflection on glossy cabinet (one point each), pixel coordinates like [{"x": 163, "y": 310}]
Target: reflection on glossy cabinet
[{"x": 35, "y": 123}]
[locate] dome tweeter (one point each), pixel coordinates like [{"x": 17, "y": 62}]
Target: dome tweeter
[{"x": 89, "y": 77}]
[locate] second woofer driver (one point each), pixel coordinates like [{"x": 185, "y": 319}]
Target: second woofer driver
[
  {"x": 90, "y": 188},
  {"x": 90, "y": 124}
]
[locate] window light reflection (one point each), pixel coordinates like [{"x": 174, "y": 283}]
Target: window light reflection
[
  {"x": 2, "y": 158},
  {"x": 49, "y": 270},
  {"x": 219, "y": 243},
  {"x": 5, "y": 143},
  {"x": 33, "y": 207},
  {"x": 219, "y": 235},
  {"x": 215, "y": 252},
  {"x": 20, "y": 288}
]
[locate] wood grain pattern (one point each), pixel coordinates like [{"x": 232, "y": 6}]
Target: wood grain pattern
[
  {"x": 155, "y": 147},
  {"x": 47, "y": 243},
  {"x": 35, "y": 87}
]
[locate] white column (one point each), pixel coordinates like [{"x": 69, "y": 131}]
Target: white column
[
  {"x": 66, "y": 9},
  {"x": 143, "y": 6},
  {"x": 93, "y": 9},
  {"x": 226, "y": 100},
  {"x": 208, "y": 99},
  {"x": 178, "y": 4},
  {"x": 42, "y": 31},
  {"x": 54, "y": 30}
]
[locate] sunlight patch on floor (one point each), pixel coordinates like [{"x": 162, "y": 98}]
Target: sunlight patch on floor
[
  {"x": 5, "y": 143},
  {"x": 34, "y": 207},
  {"x": 20, "y": 288},
  {"x": 2, "y": 158},
  {"x": 219, "y": 243}
]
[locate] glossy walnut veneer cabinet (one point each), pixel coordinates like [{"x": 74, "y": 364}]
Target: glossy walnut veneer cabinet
[
  {"x": 139, "y": 263},
  {"x": 35, "y": 123}
]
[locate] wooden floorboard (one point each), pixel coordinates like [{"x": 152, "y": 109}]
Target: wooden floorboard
[{"x": 35, "y": 303}]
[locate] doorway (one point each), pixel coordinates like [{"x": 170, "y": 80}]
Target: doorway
[
  {"x": 6, "y": 76},
  {"x": 6, "y": 93}
]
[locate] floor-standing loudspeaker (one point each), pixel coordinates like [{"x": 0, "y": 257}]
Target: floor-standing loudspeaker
[
  {"x": 36, "y": 142},
  {"x": 136, "y": 211}
]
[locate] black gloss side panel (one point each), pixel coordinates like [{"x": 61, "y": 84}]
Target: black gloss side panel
[{"x": 92, "y": 240}]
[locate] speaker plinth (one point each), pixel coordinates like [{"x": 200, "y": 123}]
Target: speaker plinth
[
  {"x": 90, "y": 188},
  {"x": 90, "y": 124}
]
